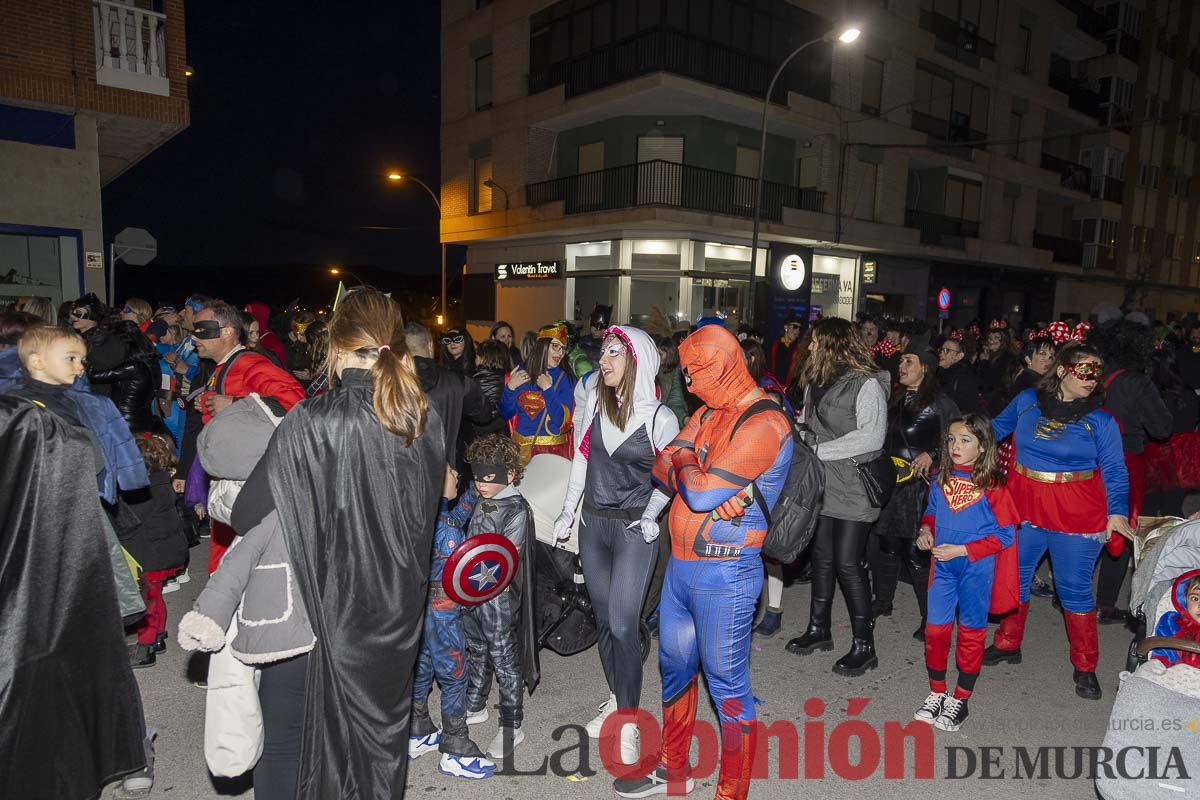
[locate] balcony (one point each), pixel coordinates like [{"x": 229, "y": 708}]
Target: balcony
[
  {"x": 1066, "y": 251},
  {"x": 1105, "y": 187},
  {"x": 1075, "y": 177},
  {"x": 666, "y": 183},
  {"x": 130, "y": 46},
  {"x": 943, "y": 135},
  {"x": 1080, "y": 97},
  {"x": 958, "y": 38},
  {"x": 1123, "y": 43},
  {"x": 663, "y": 50},
  {"x": 941, "y": 230},
  {"x": 1098, "y": 256},
  {"x": 1087, "y": 19}
]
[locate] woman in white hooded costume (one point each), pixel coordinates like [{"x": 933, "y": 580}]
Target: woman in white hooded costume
[{"x": 620, "y": 426}]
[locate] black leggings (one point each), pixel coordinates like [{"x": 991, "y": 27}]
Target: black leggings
[
  {"x": 838, "y": 551},
  {"x": 281, "y": 695},
  {"x": 887, "y": 555}
]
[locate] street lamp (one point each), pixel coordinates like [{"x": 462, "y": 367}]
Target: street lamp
[
  {"x": 397, "y": 177},
  {"x": 339, "y": 271},
  {"x": 845, "y": 36},
  {"x": 491, "y": 184}
]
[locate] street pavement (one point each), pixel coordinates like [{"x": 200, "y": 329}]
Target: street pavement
[{"x": 1031, "y": 705}]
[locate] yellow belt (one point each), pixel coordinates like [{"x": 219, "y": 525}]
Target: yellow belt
[
  {"x": 1054, "y": 477},
  {"x": 550, "y": 439}
]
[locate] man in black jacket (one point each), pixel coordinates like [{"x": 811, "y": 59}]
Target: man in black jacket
[
  {"x": 455, "y": 396},
  {"x": 958, "y": 380}
]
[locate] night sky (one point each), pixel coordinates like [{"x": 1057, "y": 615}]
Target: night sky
[{"x": 297, "y": 112}]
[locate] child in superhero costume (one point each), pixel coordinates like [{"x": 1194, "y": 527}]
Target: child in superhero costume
[
  {"x": 444, "y": 654},
  {"x": 539, "y": 398},
  {"x": 501, "y": 635},
  {"x": 1183, "y": 622},
  {"x": 731, "y": 446},
  {"x": 969, "y": 525}
]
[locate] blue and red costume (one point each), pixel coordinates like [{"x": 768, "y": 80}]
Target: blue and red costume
[
  {"x": 540, "y": 419},
  {"x": 1178, "y": 624},
  {"x": 985, "y": 581},
  {"x": 715, "y": 572},
  {"x": 444, "y": 643},
  {"x": 1067, "y": 479}
]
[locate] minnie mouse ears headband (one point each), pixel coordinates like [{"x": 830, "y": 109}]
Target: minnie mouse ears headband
[{"x": 1061, "y": 332}]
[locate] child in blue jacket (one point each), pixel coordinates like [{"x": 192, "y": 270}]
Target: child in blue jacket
[{"x": 969, "y": 525}]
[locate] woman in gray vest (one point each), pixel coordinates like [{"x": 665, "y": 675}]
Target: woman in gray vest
[
  {"x": 620, "y": 426},
  {"x": 845, "y": 416}
]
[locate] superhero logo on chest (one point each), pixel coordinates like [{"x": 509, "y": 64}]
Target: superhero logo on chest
[
  {"x": 961, "y": 493},
  {"x": 532, "y": 403}
]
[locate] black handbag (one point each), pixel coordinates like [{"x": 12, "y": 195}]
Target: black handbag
[{"x": 878, "y": 478}]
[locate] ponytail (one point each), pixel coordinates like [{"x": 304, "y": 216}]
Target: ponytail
[{"x": 370, "y": 323}]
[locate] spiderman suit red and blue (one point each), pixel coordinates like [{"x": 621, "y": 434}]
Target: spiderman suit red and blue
[
  {"x": 983, "y": 521},
  {"x": 715, "y": 571},
  {"x": 1068, "y": 477}
]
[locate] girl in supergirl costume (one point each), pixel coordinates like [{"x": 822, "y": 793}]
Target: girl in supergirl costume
[
  {"x": 969, "y": 524},
  {"x": 539, "y": 398},
  {"x": 1071, "y": 489}
]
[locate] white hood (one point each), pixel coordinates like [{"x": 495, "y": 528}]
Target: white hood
[{"x": 645, "y": 391}]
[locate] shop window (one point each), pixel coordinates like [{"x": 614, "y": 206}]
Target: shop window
[
  {"x": 719, "y": 296},
  {"x": 593, "y": 291},
  {"x": 483, "y": 82},
  {"x": 591, "y": 256},
  {"x": 647, "y": 294},
  {"x": 655, "y": 255},
  {"x": 35, "y": 260},
  {"x": 726, "y": 258},
  {"x": 872, "y": 86},
  {"x": 481, "y": 195}
]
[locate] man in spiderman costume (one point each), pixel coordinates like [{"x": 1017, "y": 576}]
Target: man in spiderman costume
[{"x": 727, "y": 450}]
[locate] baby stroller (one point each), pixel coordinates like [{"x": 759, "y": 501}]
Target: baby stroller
[
  {"x": 566, "y": 620},
  {"x": 1164, "y": 549}
]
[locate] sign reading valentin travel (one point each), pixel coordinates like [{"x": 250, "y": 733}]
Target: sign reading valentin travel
[{"x": 529, "y": 271}]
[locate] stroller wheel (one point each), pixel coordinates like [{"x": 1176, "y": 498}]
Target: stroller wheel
[{"x": 645, "y": 639}]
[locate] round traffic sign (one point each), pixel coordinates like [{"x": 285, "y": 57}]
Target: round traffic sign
[{"x": 943, "y": 299}]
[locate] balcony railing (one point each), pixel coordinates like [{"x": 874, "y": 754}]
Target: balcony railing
[
  {"x": 131, "y": 50},
  {"x": 662, "y": 50},
  {"x": 941, "y": 230},
  {"x": 1105, "y": 187},
  {"x": 666, "y": 183},
  {"x": 1072, "y": 176},
  {"x": 1098, "y": 256},
  {"x": 1087, "y": 19},
  {"x": 960, "y": 36},
  {"x": 1080, "y": 96},
  {"x": 1123, "y": 43},
  {"x": 1066, "y": 251},
  {"x": 943, "y": 135}
]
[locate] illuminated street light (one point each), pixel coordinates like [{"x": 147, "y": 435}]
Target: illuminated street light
[{"x": 396, "y": 177}]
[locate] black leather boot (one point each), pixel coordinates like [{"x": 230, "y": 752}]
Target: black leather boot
[
  {"x": 422, "y": 725},
  {"x": 1086, "y": 685},
  {"x": 817, "y": 637},
  {"x": 862, "y": 651}
]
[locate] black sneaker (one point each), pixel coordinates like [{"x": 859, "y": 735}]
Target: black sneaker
[
  {"x": 160, "y": 644},
  {"x": 931, "y": 709},
  {"x": 954, "y": 714},
  {"x": 142, "y": 656},
  {"x": 1112, "y": 616},
  {"x": 654, "y": 783},
  {"x": 1040, "y": 588}
]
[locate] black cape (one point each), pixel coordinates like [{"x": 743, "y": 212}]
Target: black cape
[
  {"x": 70, "y": 717},
  {"x": 358, "y": 510}
]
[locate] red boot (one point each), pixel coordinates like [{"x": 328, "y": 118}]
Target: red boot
[
  {"x": 1085, "y": 652},
  {"x": 679, "y": 717},
  {"x": 738, "y": 740},
  {"x": 1006, "y": 646}
]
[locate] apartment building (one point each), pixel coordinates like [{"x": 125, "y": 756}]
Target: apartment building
[
  {"x": 88, "y": 88},
  {"x": 1037, "y": 159}
]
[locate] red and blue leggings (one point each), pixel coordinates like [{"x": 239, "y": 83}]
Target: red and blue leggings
[{"x": 965, "y": 587}]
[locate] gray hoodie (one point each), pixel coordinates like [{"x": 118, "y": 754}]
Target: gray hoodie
[{"x": 255, "y": 579}]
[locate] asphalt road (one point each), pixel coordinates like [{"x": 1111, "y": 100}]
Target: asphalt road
[{"x": 1030, "y": 705}]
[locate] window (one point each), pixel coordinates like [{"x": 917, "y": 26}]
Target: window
[
  {"x": 864, "y": 202},
  {"x": 872, "y": 86},
  {"x": 1024, "y": 45},
  {"x": 1014, "y": 135},
  {"x": 808, "y": 171},
  {"x": 1010, "y": 219},
  {"x": 962, "y": 198},
  {"x": 481, "y": 195},
  {"x": 1148, "y": 174},
  {"x": 483, "y": 82}
]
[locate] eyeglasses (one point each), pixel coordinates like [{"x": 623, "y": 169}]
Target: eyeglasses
[
  {"x": 614, "y": 350},
  {"x": 949, "y": 350},
  {"x": 453, "y": 339},
  {"x": 1084, "y": 370}
]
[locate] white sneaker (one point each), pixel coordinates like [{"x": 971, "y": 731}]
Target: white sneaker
[
  {"x": 420, "y": 745},
  {"x": 469, "y": 767},
  {"x": 631, "y": 744},
  {"x": 183, "y": 577},
  {"x": 606, "y": 708},
  {"x": 170, "y": 585},
  {"x": 930, "y": 709},
  {"x": 477, "y": 717},
  {"x": 505, "y": 743}
]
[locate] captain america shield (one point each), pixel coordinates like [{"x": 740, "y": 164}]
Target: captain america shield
[{"x": 479, "y": 569}]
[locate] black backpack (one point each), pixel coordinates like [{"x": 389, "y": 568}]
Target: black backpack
[{"x": 791, "y": 524}]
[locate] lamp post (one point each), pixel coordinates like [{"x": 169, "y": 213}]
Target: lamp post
[
  {"x": 339, "y": 271},
  {"x": 396, "y": 177},
  {"x": 846, "y": 36}
]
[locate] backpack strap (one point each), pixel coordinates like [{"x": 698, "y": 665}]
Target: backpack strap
[
  {"x": 1111, "y": 378},
  {"x": 764, "y": 405}
]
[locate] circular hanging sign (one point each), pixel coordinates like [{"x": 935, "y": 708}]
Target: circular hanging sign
[
  {"x": 479, "y": 569},
  {"x": 792, "y": 272},
  {"x": 944, "y": 299}
]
